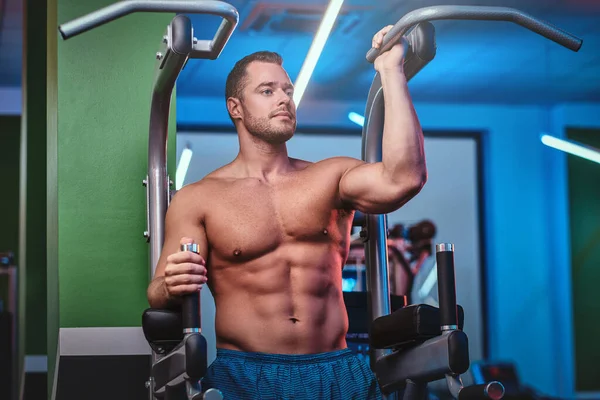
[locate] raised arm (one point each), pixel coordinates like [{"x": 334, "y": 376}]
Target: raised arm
[
  {"x": 378, "y": 188},
  {"x": 177, "y": 272}
]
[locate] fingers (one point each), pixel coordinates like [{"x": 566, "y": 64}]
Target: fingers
[
  {"x": 185, "y": 272},
  {"x": 386, "y": 29},
  {"x": 182, "y": 290},
  {"x": 185, "y": 257},
  {"x": 378, "y": 38},
  {"x": 185, "y": 280},
  {"x": 185, "y": 269}
]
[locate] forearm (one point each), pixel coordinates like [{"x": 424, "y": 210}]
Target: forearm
[
  {"x": 158, "y": 296},
  {"x": 403, "y": 154}
]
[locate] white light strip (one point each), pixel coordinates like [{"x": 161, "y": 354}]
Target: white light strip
[
  {"x": 571, "y": 147},
  {"x": 429, "y": 282},
  {"x": 182, "y": 168},
  {"x": 315, "y": 49},
  {"x": 356, "y": 118}
]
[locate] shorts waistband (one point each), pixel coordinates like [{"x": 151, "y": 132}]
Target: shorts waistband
[{"x": 284, "y": 358}]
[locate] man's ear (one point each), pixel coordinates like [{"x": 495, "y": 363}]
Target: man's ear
[{"x": 234, "y": 106}]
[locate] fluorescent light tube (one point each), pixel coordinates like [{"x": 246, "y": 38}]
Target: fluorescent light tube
[
  {"x": 315, "y": 49},
  {"x": 571, "y": 147},
  {"x": 182, "y": 168},
  {"x": 356, "y": 118}
]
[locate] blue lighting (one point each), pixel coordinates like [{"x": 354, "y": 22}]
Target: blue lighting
[
  {"x": 356, "y": 118},
  {"x": 315, "y": 49},
  {"x": 571, "y": 147},
  {"x": 348, "y": 284}
]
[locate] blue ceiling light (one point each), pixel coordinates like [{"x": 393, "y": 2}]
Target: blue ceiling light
[
  {"x": 182, "y": 168},
  {"x": 571, "y": 147},
  {"x": 356, "y": 118},
  {"x": 315, "y": 49}
]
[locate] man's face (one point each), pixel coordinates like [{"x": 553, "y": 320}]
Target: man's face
[{"x": 268, "y": 104}]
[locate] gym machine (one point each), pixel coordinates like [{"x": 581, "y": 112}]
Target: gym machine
[
  {"x": 9, "y": 329},
  {"x": 410, "y": 347},
  {"x": 179, "y": 351},
  {"x": 418, "y": 344}
]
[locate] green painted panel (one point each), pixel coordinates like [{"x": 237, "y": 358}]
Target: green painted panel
[
  {"x": 104, "y": 84},
  {"x": 584, "y": 192}
]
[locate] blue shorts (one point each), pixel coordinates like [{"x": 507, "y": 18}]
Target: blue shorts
[{"x": 336, "y": 375}]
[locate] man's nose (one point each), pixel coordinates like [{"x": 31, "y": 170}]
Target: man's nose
[{"x": 283, "y": 97}]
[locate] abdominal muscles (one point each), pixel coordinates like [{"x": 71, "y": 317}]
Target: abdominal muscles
[{"x": 288, "y": 301}]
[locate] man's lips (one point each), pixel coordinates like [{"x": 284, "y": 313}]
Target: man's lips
[{"x": 283, "y": 114}]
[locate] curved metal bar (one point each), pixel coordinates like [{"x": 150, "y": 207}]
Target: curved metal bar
[
  {"x": 475, "y": 13},
  {"x": 179, "y": 45},
  {"x": 421, "y": 50},
  {"x": 125, "y": 7},
  {"x": 376, "y": 254},
  {"x": 158, "y": 180}
]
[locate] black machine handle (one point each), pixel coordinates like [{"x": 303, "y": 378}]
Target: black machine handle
[
  {"x": 474, "y": 13},
  {"x": 446, "y": 286},
  {"x": 104, "y": 15},
  {"x": 492, "y": 390},
  {"x": 190, "y": 306}
]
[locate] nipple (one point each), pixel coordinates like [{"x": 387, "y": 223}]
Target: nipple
[{"x": 237, "y": 252}]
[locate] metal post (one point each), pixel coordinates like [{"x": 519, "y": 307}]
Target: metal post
[
  {"x": 420, "y": 52},
  {"x": 376, "y": 250},
  {"x": 170, "y": 64}
]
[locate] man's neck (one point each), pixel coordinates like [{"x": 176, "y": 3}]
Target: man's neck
[{"x": 263, "y": 160}]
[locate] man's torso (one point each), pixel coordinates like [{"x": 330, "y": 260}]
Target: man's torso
[{"x": 276, "y": 252}]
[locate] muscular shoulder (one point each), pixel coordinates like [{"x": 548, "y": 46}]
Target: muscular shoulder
[
  {"x": 334, "y": 166},
  {"x": 190, "y": 201}
]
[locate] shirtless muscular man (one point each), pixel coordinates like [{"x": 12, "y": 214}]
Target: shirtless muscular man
[{"x": 274, "y": 234}]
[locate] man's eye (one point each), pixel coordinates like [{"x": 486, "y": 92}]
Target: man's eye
[{"x": 267, "y": 91}]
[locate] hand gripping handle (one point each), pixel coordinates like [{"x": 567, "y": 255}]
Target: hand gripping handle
[{"x": 190, "y": 306}]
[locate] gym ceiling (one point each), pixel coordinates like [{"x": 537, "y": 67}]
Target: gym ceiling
[{"x": 476, "y": 62}]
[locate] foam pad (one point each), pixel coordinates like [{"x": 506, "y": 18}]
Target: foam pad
[
  {"x": 357, "y": 307},
  {"x": 408, "y": 325},
  {"x": 163, "y": 329}
]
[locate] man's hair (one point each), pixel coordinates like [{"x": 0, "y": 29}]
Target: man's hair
[{"x": 237, "y": 78}]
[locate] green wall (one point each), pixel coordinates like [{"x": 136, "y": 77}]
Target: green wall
[
  {"x": 584, "y": 195},
  {"x": 99, "y": 87}
]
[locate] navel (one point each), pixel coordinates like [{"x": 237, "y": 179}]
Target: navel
[
  {"x": 325, "y": 231},
  {"x": 237, "y": 252}
]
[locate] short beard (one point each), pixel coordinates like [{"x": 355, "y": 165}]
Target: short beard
[{"x": 261, "y": 128}]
